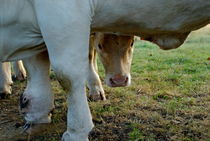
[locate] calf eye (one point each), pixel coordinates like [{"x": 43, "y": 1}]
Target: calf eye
[{"x": 100, "y": 46}]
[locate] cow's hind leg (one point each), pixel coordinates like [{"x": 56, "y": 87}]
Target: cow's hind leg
[{"x": 37, "y": 101}]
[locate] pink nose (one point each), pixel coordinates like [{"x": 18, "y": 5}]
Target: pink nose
[{"x": 118, "y": 80}]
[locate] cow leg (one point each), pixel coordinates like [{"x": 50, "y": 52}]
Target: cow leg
[
  {"x": 66, "y": 35},
  {"x": 71, "y": 70},
  {"x": 19, "y": 71},
  {"x": 5, "y": 79},
  {"x": 96, "y": 91},
  {"x": 37, "y": 101}
]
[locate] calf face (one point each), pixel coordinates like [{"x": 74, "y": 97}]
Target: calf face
[{"x": 115, "y": 52}]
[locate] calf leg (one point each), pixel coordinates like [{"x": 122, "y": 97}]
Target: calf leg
[
  {"x": 19, "y": 71},
  {"x": 37, "y": 100},
  {"x": 96, "y": 91},
  {"x": 5, "y": 79}
]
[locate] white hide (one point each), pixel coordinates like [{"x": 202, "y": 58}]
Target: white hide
[
  {"x": 37, "y": 101},
  {"x": 65, "y": 26}
]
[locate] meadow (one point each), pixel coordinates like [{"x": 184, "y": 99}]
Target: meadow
[{"x": 168, "y": 100}]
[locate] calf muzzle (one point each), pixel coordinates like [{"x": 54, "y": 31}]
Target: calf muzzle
[{"x": 119, "y": 80}]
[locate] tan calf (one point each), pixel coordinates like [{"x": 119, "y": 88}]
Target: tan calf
[{"x": 115, "y": 52}]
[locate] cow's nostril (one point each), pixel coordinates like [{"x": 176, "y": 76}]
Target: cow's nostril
[{"x": 119, "y": 81}]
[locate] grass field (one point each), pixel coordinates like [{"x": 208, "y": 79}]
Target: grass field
[{"x": 169, "y": 98}]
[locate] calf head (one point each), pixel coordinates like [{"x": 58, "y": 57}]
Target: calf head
[{"x": 115, "y": 52}]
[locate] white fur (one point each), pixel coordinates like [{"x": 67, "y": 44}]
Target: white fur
[{"x": 38, "y": 91}]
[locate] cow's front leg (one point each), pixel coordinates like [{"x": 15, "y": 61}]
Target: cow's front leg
[
  {"x": 71, "y": 71},
  {"x": 66, "y": 34},
  {"x": 37, "y": 100},
  {"x": 96, "y": 91}
]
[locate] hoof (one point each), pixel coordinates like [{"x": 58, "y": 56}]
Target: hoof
[
  {"x": 97, "y": 97},
  {"x": 67, "y": 136},
  {"x": 20, "y": 78},
  {"x": 52, "y": 111},
  {"x": 33, "y": 129},
  {"x": 27, "y": 128},
  {"x": 14, "y": 78},
  {"x": 96, "y": 93},
  {"x": 4, "y": 95}
]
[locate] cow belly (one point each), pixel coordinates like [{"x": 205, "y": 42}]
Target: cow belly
[
  {"x": 22, "y": 53},
  {"x": 154, "y": 21},
  {"x": 149, "y": 16},
  {"x": 16, "y": 44},
  {"x": 20, "y": 35}
]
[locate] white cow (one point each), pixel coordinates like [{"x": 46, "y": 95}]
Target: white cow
[
  {"x": 6, "y": 77},
  {"x": 65, "y": 25}
]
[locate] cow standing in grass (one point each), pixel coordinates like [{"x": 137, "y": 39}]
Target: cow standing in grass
[{"x": 65, "y": 26}]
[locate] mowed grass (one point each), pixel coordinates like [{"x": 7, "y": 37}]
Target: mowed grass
[{"x": 169, "y": 98}]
